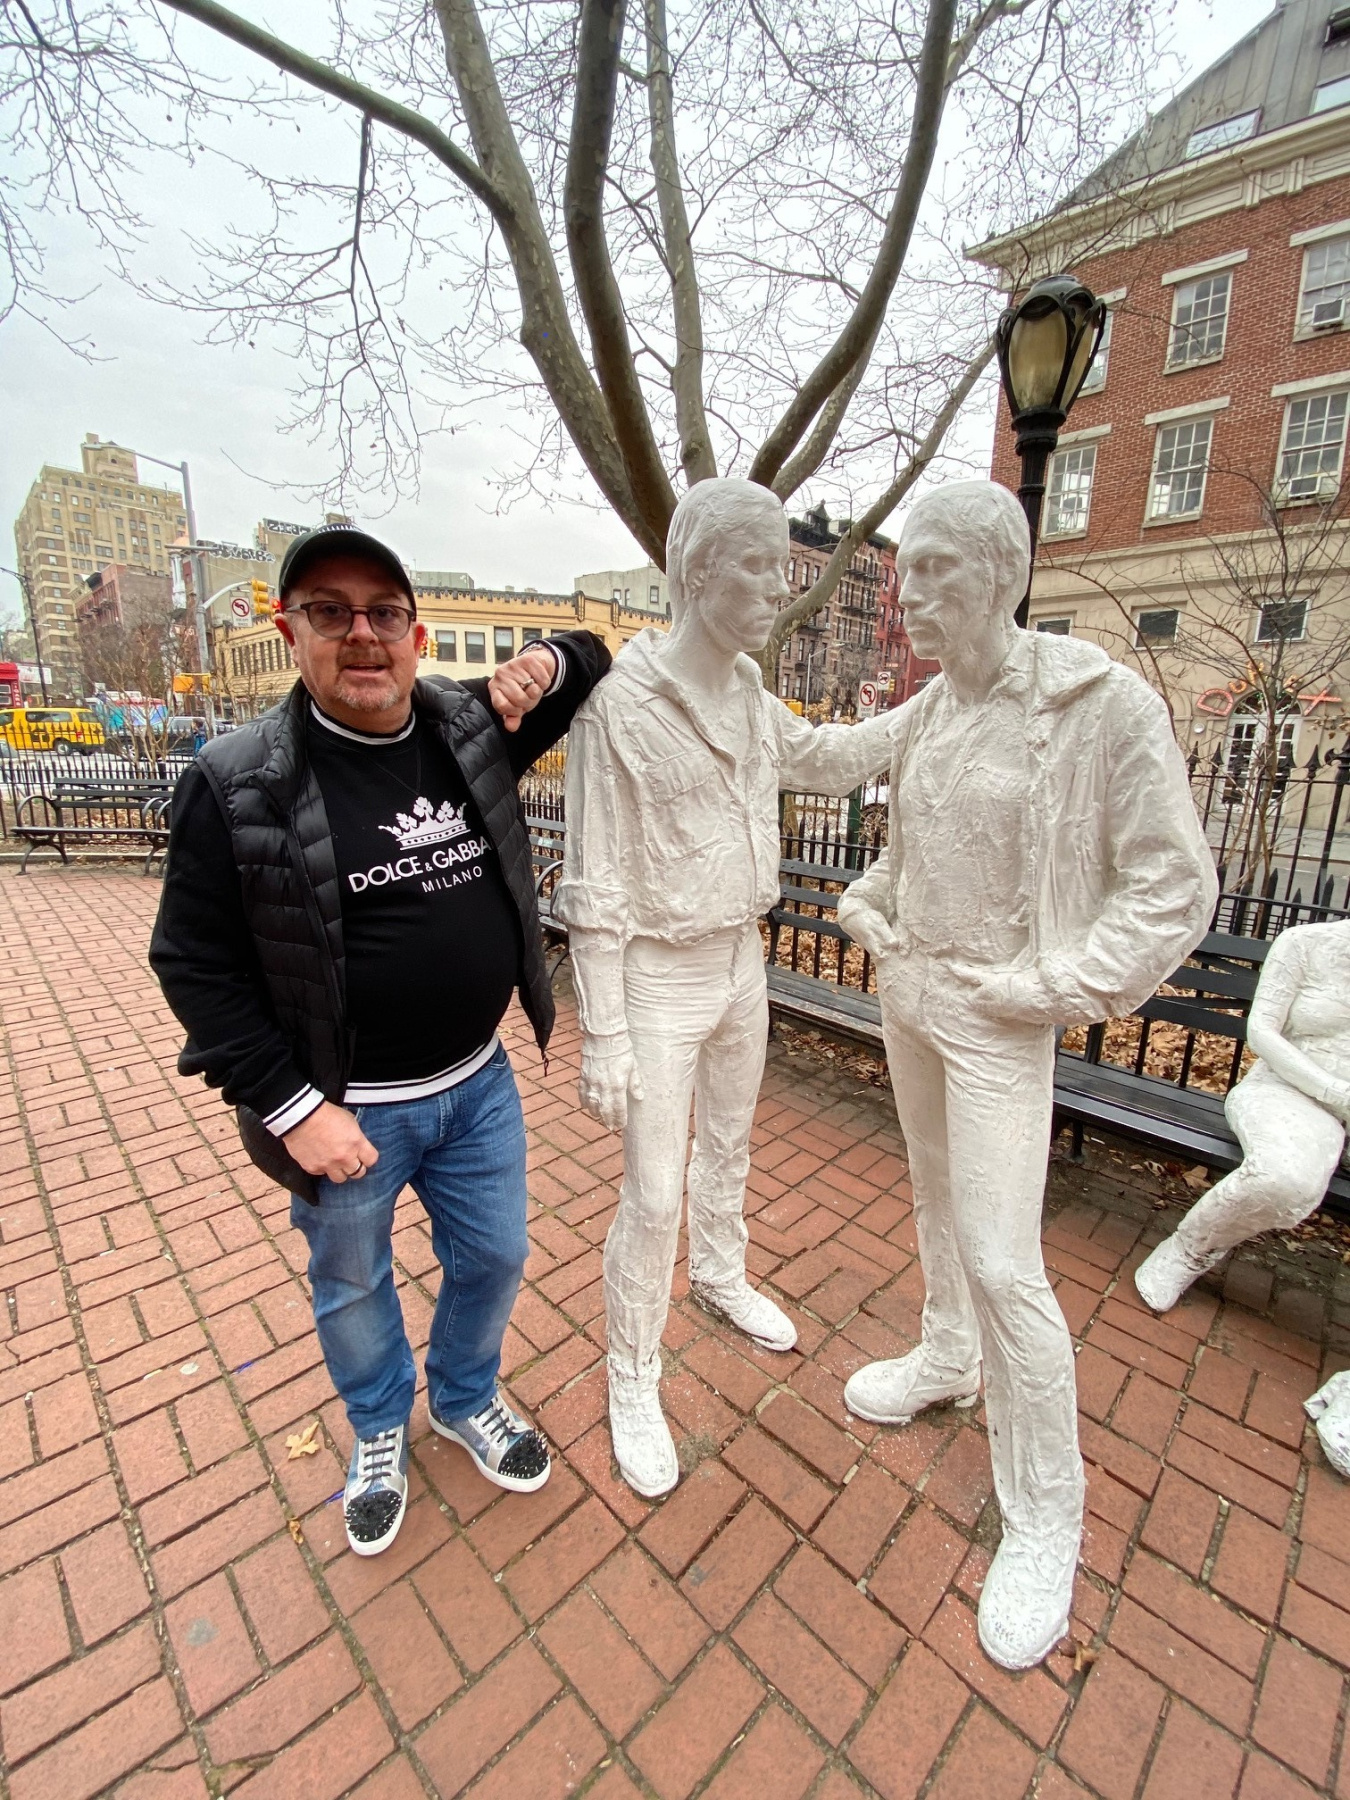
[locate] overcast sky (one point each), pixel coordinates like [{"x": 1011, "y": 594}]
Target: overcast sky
[{"x": 156, "y": 387}]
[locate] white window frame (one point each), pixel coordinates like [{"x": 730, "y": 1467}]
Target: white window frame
[
  {"x": 1095, "y": 380},
  {"x": 1223, "y": 132},
  {"x": 1156, "y": 643},
  {"x": 1305, "y": 326},
  {"x": 1175, "y": 330},
  {"x": 1293, "y": 637},
  {"x": 1048, "y": 624},
  {"x": 1338, "y": 86},
  {"x": 1058, "y": 464},
  {"x": 1329, "y": 481},
  {"x": 1158, "y": 515}
]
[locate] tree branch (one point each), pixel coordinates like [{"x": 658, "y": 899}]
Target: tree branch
[
  {"x": 600, "y": 38},
  {"x": 691, "y": 422},
  {"x": 854, "y": 341},
  {"x": 859, "y": 530},
  {"x": 330, "y": 81}
]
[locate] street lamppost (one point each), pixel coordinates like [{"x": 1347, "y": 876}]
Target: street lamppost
[
  {"x": 198, "y": 577},
  {"x": 1045, "y": 347},
  {"x": 25, "y": 588}
]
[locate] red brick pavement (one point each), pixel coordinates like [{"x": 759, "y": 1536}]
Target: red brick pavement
[{"x": 181, "y": 1615}]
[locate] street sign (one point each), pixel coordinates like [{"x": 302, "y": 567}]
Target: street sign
[
  {"x": 241, "y": 609},
  {"x": 867, "y": 698}
]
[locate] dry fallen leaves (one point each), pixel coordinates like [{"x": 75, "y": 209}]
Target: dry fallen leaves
[
  {"x": 304, "y": 1443},
  {"x": 1083, "y": 1658},
  {"x": 293, "y": 1525}
]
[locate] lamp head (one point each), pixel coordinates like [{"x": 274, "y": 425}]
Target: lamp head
[{"x": 1046, "y": 344}]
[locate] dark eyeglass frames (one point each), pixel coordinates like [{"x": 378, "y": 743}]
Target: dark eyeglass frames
[{"x": 333, "y": 618}]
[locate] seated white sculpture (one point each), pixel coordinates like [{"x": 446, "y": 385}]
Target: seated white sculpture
[
  {"x": 1289, "y": 1112},
  {"x": 1044, "y": 866},
  {"x": 1329, "y": 1410},
  {"x": 674, "y": 767}
]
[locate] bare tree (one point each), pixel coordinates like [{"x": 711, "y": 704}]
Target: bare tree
[
  {"x": 138, "y": 659},
  {"x": 725, "y": 236}
]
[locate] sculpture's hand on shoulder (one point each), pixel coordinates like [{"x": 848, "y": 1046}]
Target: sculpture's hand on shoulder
[
  {"x": 866, "y": 926},
  {"x": 609, "y": 1079}
]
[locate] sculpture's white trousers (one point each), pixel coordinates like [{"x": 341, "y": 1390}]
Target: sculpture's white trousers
[
  {"x": 698, "y": 1019},
  {"x": 974, "y": 1101},
  {"x": 1290, "y": 1148}
]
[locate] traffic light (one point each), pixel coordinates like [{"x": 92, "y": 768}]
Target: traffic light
[{"x": 262, "y": 600}]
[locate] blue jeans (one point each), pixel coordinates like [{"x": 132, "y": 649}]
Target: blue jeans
[{"x": 463, "y": 1152}]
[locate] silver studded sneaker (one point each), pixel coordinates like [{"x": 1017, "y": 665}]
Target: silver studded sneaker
[
  {"x": 376, "y": 1495},
  {"x": 506, "y": 1449}
]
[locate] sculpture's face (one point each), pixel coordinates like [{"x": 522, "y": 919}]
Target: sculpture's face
[
  {"x": 944, "y": 590},
  {"x": 746, "y": 580}
]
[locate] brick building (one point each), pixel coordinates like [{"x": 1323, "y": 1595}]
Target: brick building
[
  {"x": 119, "y": 595},
  {"x": 823, "y": 661},
  {"x": 1195, "y": 518}
]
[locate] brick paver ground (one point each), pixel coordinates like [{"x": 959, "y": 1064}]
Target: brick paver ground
[{"x": 180, "y": 1614}]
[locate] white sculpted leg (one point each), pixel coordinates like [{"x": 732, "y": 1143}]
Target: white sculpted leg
[
  {"x": 1290, "y": 1145},
  {"x": 946, "y": 1365},
  {"x": 640, "y": 1248},
  {"x": 998, "y": 1108},
  {"x": 726, "y": 1087}
]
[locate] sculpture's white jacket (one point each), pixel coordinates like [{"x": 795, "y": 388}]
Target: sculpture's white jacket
[
  {"x": 667, "y": 836},
  {"x": 1122, "y": 882}
]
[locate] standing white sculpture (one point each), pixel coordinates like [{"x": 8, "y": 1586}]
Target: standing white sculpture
[
  {"x": 674, "y": 767},
  {"x": 1289, "y": 1111},
  {"x": 1044, "y": 866}
]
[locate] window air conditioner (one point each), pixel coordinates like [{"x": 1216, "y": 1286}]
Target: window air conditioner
[
  {"x": 1328, "y": 314},
  {"x": 1311, "y": 487}
]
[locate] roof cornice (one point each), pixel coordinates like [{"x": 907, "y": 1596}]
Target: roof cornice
[{"x": 1285, "y": 161}]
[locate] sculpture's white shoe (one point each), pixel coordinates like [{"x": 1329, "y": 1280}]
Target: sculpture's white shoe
[
  {"x": 892, "y": 1393},
  {"x": 1329, "y": 1409},
  {"x": 1024, "y": 1605},
  {"x": 753, "y": 1313},
  {"x": 1167, "y": 1271},
  {"x": 643, "y": 1446}
]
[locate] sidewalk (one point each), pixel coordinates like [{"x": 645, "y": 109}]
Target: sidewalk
[{"x": 181, "y": 1616}]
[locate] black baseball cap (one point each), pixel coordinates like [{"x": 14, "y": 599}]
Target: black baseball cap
[{"x": 339, "y": 540}]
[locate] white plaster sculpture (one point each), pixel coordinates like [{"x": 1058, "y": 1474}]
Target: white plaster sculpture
[
  {"x": 1289, "y": 1111},
  {"x": 1329, "y": 1409},
  {"x": 1044, "y": 866},
  {"x": 674, "y": 767}
]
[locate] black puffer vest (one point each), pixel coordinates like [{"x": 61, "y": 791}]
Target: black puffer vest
[{"x": 283, "y": 848}]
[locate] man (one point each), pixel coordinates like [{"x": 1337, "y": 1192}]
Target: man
[
  {"x": 349, "y": 904},
  {"x": 1043, "y": 867},
  {"x": 673, "y": 774}
]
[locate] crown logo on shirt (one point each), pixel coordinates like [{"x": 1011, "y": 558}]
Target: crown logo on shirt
[{"x": 427, "y": 824}]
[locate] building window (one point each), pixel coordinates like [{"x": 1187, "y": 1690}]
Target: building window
[
  {"x": 1199, "y": 320},
  {"x": 530, "y": 634},
  {"x": 1156, "y": 627},
  {"x": 1282, "y": 622},
  {"x": 475, "y": 647},
  {"x": 616, "y": 594},
  {"x": 1313, "y": 445},
  {"x": 1228, "y": 131},
  {"x": 653, "y": 596},
  {"x": 1180, "y": 460},
  {"x": 1055, "y": 627},
  {"x": 1095, "y": 380},
  {"x": 1331, "y": 93},
  {"x": 1325, "y": 296},
  {"x": 503, "y": 643},
  {"x": 446, "y": 646},
  {"x": 1069, "y": 491}
]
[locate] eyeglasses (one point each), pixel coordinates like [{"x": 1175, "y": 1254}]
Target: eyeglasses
[{"x": 333, "y": 619}]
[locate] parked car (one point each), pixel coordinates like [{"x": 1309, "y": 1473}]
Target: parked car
[{"x": 59, "y": 728}]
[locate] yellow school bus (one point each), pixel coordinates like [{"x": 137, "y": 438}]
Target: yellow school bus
[{"x": 60, "y": 728}]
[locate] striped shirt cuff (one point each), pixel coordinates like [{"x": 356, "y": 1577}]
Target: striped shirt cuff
[
  {"x": 295, "y": 1111},
  {"x": 561, "y": 676}
]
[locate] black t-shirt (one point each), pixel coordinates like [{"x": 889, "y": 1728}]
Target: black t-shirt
[{"x": 431, "y": 933}]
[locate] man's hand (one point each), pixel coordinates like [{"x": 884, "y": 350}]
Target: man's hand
[
  {"x": 330, "y": 1142},
  {"x": 866, "y": 926},
  {"x": 517, "y": 687},
  {"x": 609, "y": 1078}
]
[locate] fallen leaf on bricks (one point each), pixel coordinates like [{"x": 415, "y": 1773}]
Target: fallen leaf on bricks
[
  {"x": 303, "y": 1443},
  {"x": 1083, "y": 1658},
  {"x": 1197, "y": 1178},
  {"x": 293, "y": 1525}
]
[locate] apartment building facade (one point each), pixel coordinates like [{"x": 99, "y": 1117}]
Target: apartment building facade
[
  {"x": 76, "y": 522},
  {"x": 1196, "y": 518},
  {"x": 829, "y": 654}
]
